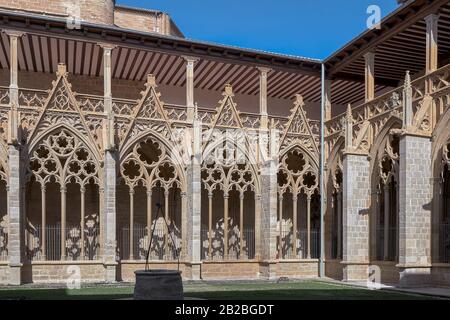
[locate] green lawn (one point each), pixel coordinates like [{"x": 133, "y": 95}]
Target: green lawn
[{"x": 241, "y": 291}]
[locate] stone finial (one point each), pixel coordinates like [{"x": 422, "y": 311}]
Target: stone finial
[
  {"x": 407, "y": 80},
  {"x": 348, "y": 129},
  {"x": 407, "y": 102},
  {"x": 62, "y": 70},
  {"x": 349, "y": 114},
  {"x": 151, "y": 80},
  {"x": 228, "y": 90},
  {"x": 299, "y": 99}
]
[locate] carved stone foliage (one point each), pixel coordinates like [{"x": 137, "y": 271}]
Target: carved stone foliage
[
  {"x": 297, "y": 173},
  {"x": 149, "y": 164},
  {"x": 63, "y": 157}
]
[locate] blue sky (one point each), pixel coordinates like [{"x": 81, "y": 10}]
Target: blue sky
[{"x": 309, "y": 28}]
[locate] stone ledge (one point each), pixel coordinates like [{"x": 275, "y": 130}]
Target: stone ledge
[
  {"x": 151, "y": 262},
  {"x": 56, "y": 263},
  {"x": 413, "y": 266}
]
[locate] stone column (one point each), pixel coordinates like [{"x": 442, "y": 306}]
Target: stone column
[
  {"x": 356, "y": 201},
  {"x": 269, "y": 141},
  {"x": 194, "y": 199},
  {"x": 415, "y": 193},
  {"x": 109, "y": 178},
  {"x": 263, "y": 72},
  {"x": 370, "y": 75},
  {"x": 190, "y": 63},
  {"x": 16, "y": 219},
  {"x": 415, "y": 196},
  {"x": 431, "y": 43}
]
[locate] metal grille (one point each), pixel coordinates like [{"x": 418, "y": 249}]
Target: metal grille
[
  {"x": 392, "y": 245},
  {"x": 3, "y": 244},
  {"x": 162, "y": 246},
  {"x": 72, "y": 244},
  {"x": 444, "y": 243},
  {"x": 287, "y": 241},
  {"x": 234, "y": 246}
]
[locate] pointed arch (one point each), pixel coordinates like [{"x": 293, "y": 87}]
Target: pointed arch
[
  {"x": 61, "y": 164},
  {"x": 440, "y": 157},
  {"x": 384, "y": 167}
]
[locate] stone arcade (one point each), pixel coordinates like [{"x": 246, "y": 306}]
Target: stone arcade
[{"x": 102, "y": 119}]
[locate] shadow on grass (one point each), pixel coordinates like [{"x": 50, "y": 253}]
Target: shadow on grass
[
  {"x": 304, "y": 294},
  {"x": 277, "y": 294}
]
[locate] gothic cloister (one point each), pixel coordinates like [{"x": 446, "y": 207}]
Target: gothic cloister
[{"x": 119, "y": 144}]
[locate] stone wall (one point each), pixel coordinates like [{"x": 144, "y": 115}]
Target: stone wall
[
  {"x": 63, "y": 272},
  {"x": 298, "y": 269},
  {"x": 4, "y": 274}
]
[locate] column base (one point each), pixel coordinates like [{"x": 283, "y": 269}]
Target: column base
[
  {"x": 414, "y": 277},
  {"x": 111, "y": 273},
  {"x": 354, "y": 271},
  {"x": 196, "y": 270},
  {"x": 268, "y": 270},
  {"x": 15, "y": 275}
]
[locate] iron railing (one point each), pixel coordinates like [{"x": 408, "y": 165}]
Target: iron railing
[
  {"x": 73, "y": 245},
  {"x": 234, "y": 245},
  {"x": 392, "y": 245},
  {"x": 3, "y": 245},
  {"x": 286, "y": 245},
  {"x": 444, "y": 243},
  {"x": 162, "y": 247}
]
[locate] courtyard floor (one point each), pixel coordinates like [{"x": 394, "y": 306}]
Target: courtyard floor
[{"x": 292, "y": 290}]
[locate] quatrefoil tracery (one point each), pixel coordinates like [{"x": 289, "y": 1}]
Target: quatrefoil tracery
[
  {"x": 150, "y": 165},
  {"x": 63, "y": 158},
  {"x": 297, "y": 174}
]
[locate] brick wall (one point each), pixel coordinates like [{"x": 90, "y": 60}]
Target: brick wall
[
  {"x": 100, "y": 11},
  {"x": 138, "y": 20}
]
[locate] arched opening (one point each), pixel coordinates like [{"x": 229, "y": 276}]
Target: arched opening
[
  {"x": 298, "y": 207},
  {"x": 228, "y": 205},
  {"x": 386, "y": 200},
  {"x": 150, "y": 201},
  {"x": 336, "y": 215},
  {"x": 62, "y": 196}
]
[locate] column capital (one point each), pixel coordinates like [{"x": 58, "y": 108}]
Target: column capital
[
  {"x": 432, "y": 18},
  {"x": 370, "y": 54},
  {"x": 13, "y": 33},
  {"x": 106, "y": 46},
  {"x": 264, "y": 70},
  {"x": 190, "y": 59}
]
